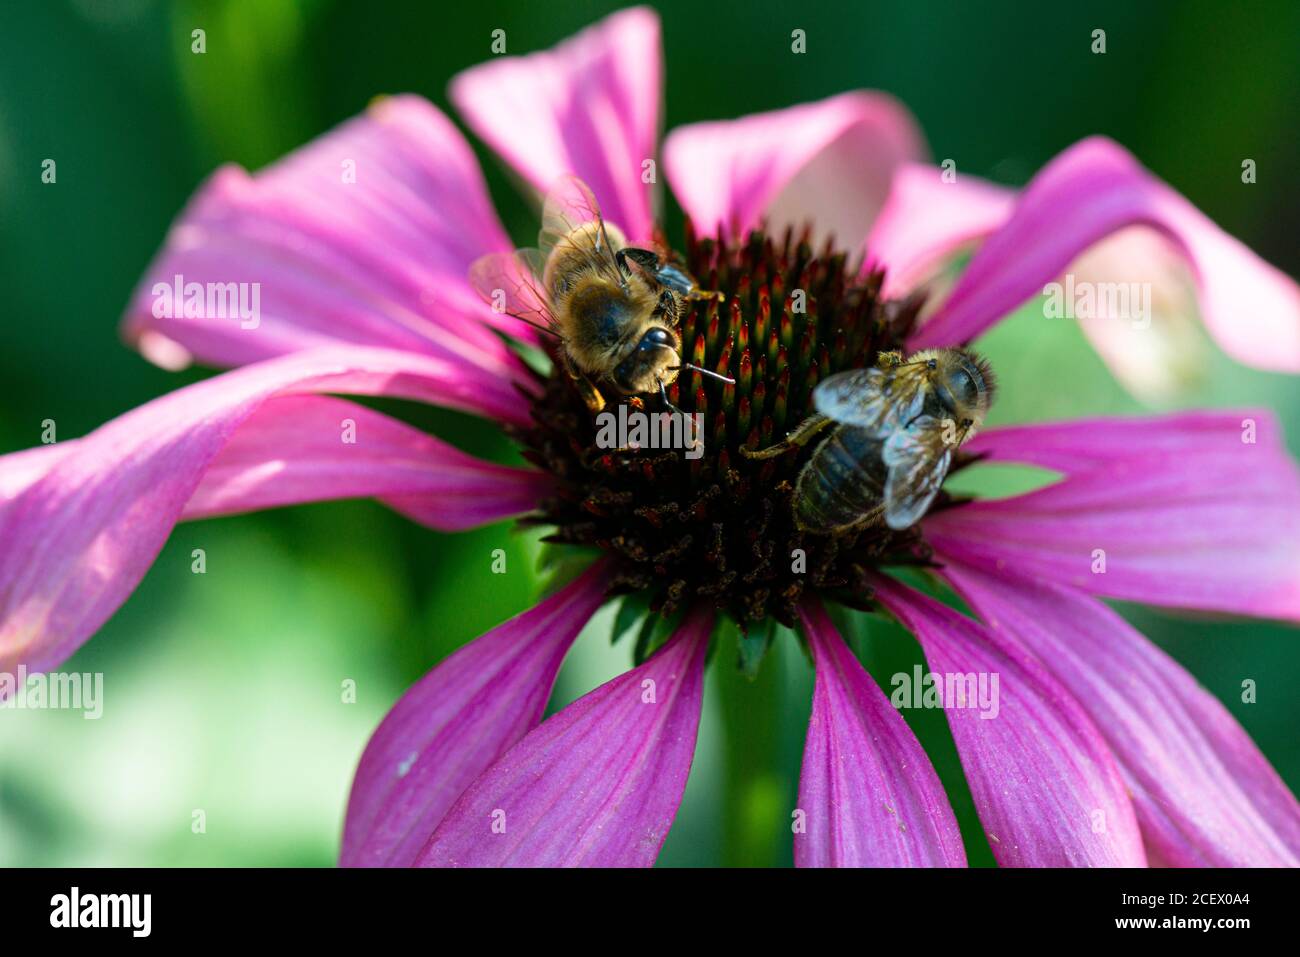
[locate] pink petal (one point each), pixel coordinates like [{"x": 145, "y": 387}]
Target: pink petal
[
  {"x": 291, "y": 450},
  {"x": 78, "y": 539},
  {"x": 925, "y": 220},
  {"x": 365, "y": 236},
  {"x": 1178, "y": 511},
  {"x": 869, "y": 793},
  {"x": 829, "y": 163},
  {"x": 1156, "y": 354},
  {"x": 597, "y": 784},
  {"x": 1088, "y": 192},
  {"x": 1204, "y": 795},
  {"x": 20, "y": 469},
  {"x": 1084, "y": 445},
  {"x": 456, "y": 721},
  {"x": 1044, "y": 782},
  {"x": 589, "y": 106}
]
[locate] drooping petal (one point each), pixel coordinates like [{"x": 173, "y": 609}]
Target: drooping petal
[
  {"x": 1153, "y": 347},
  {"x": 1203, "y": 793},
  {"x": 1044, "y": 782},
  {"x": 868, "y": 792},
  {"x": 1197, "y": 510},
  {"x": 1088, "y": 192},
  {"x": 1152, "y": 341},
  {"x": 928, "y": 218},
  {"x": 365, "y": 235},
  {"x": 77, "y": 539},
  {"x": 596, "y": 785},
  {"x": 828, "y": 163},
  {"x": 588, "y": 106},
  {"x": 456, "y": 721},
  {"x": 307, "y": 448}
]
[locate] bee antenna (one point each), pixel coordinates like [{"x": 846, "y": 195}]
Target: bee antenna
[{"x": 707, "y": 372}]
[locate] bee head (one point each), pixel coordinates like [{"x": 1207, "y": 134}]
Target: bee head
[
  {"x": 654, "y": 360},
  {"x": 967, "y": 382}
]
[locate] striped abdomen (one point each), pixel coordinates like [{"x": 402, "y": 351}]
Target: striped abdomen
[{"x": 843, "y": 484}]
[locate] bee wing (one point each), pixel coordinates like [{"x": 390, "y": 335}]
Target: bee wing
[
  {"x": 508, "y": 283},
  {"x": 570, "y": 205},
  {"x": 874, "y": 399},
  {"x": 918, "y": 460}
]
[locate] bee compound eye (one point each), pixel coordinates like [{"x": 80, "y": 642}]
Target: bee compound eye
[
  {"x": 655, "y": 338},
  {"x": 963, "y": 386},
  {"x": 932, "y": 364}
]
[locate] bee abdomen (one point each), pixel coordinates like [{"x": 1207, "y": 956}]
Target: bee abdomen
[{"x": 843, "y": 484}]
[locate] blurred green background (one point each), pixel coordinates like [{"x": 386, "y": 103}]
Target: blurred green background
[{"x": 223, "y": 691}]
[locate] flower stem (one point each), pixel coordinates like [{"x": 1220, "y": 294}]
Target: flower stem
[{"x": 754, "y": 802}]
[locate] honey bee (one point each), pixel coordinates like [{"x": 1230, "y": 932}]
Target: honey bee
[
  {"x": 894, "y": 429},
  {"x": 614, "y": 307}
]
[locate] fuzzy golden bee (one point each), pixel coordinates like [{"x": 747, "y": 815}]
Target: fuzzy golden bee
[
  {"x": 894, "y": 430},
  {"x": 614, "y": 307}
]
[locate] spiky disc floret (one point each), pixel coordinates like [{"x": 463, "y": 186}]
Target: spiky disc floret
[{"x": 719, "y": 527}]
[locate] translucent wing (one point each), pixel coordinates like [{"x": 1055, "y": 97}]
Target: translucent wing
[
  {"x": 853, "y": 397},
  {"x": 571, "y": 222},
  {"x": 917, "y": 458},
  {"x": 508, "y": 283},
  {"x": 874, "y": 399}
]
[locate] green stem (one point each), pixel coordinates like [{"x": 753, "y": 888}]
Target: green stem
[{"x": 752, "y": 812}]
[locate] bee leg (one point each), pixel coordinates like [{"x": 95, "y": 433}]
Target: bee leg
[
  {"x": 645, "y": 259},
  {"x": 663, "y": 391},
  {"x": 669, "y": 275},
  {"x": 698, "y": 293},
  {"x": 590, "y": 394},
  {"x": 800, "y": 437}
]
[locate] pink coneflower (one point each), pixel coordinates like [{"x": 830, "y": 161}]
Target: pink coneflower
[{"x": 1104, "y": 750}]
